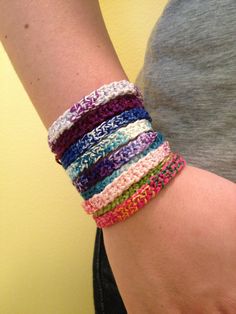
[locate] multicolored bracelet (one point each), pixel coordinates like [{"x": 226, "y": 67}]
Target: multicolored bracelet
[
  {"x": 101, "y": 185},
  {"x": 136, "y": 138},
  {"x": 127, "y": 178},
  {"x": 101, "y": 132},
  {"x": 106, "y": 166},
  {"x": 140, "y": 198},
  {"x": 92, "y": 119},
  {"x": 107, "y": 146},
  {"x": 90, "y": 102},
  {"x": 133, "y": 188}
]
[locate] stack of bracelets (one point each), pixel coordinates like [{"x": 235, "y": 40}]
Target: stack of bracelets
[{"x": 108, "y": 147}]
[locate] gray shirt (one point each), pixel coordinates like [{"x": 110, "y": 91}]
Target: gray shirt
[{"x": 189, "y": 82}]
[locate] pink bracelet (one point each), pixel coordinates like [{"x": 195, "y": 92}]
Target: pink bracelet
[
  {"x": 119, "y": 177},
  {"x": 126, "y": 179},
  {"x": 140, "y": 198}
]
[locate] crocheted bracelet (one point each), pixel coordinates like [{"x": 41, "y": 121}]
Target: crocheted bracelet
[
  {"x": 101, "y": 132},
  {"x": 93, "y": 100},
  {"x": 134, "y": 173},
  {"x": 133, "y": 188},
  {"x": 141, "y": 197},
  {"x": 107, "y": 166},
  {"x": 101, "y": 185},
  {"x": 92, "y": 119},
  {"x": 136, "y": 138},
  {"x": 107, "y": 146}
]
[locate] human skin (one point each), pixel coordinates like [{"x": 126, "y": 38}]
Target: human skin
[{"x": 178, "y": 253}]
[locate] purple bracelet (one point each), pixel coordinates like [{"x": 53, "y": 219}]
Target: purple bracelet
[
  {"x": 97, "y": 98},
  {"x": 102, "y": 131},
  {"x": 92, "y": 119},
  {"x": 114, "y": 161}
]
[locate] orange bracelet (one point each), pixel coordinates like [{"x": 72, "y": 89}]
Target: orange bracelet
[{"x": 149, "y": 190}]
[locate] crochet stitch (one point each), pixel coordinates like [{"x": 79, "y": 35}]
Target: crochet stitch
[
  {"x": 108, "y": 147},
  {"x": 132, "y": 189},
  {"x": 96, "y": 154},
  {"x": 110, "y": 143},
  {"x": 92, "y": 119},
  {"x": 140, "y": 198},
  {"x": 127, "y": 178},
  {"x": 106, "y": 166},
  {"x": 89, "y": 102},
  {"x": 102, "y": 131},
  {"x": 100, "y": 186}
]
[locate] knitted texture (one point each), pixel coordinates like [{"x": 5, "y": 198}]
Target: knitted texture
[
  {"x": 132, "y": 189},
  {"x": 92, "y": 119},
  {"x": 127, "y": 178},
  {"x": 102, "y": 131},
  {"x": 90, "y": 102},
  {"x": 141, "y": 197},
  {"x": 106, "y": 166},
  {"x": 108, "y": 147},
  {"x": 100, "y": 186},
  {"x": 95, "y": 154}
]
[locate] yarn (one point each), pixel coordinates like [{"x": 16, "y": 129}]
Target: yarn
[
  {"x": 101, "y": 132},
  {"x": 101, "y": 185},
  {"x": 141, "y": 197},
  {"x": 89, "y": 102},
  {"x": 127, "y": 178},
  {"x": 108, "y": 147},
  {"x": 92, "y": 119}
]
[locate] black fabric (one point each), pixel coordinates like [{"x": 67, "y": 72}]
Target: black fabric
[{"x": 107, "y": 299}]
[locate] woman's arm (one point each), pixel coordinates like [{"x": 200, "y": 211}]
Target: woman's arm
[
  {"x": 178, "y": 253},
  {"x": 60, "y": 50}
]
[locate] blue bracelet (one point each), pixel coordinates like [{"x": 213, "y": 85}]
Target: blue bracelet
[
  {"x": 107, "y": 146},
  {"x": 100, "y": 132},
  {"x": 100, "y": 186}
]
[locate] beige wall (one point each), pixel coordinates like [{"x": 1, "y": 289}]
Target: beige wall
[{"x": 46, "y": 241}]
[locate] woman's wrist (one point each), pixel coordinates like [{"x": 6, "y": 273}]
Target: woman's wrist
[
  {"x": 126, "y": 143},
  {"x": 193, "y": 213}
]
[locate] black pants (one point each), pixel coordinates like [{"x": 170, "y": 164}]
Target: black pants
[{"x": 107, "y": 299}]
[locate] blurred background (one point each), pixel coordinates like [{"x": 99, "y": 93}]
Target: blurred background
[{"x": 46, "y": 240}]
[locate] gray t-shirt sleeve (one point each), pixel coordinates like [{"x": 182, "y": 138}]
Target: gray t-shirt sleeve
[{"x": 189, "y": 82}]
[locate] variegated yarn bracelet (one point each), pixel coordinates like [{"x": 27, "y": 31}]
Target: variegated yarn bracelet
[{"x": 108, "y": 147}]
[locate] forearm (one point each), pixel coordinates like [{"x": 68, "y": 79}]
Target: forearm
[{"x": 60, "y": 50}]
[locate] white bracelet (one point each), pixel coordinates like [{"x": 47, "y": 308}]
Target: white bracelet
[{"x": 93, "y": 100}]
